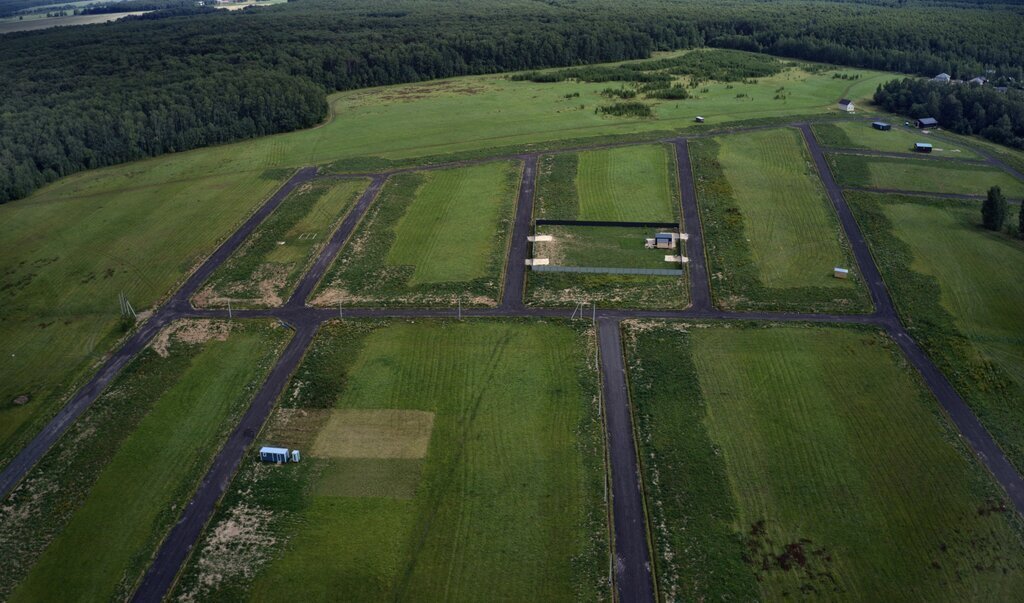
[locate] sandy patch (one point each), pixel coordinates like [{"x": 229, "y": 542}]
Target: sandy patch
[
  {"x": 190, "y": 331},
  {"x": 377, "y": 434}
]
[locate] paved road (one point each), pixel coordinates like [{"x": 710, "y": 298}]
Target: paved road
[
  {"x": 515, "y": 270},
  {"x": 700, "y": 287},
  {"x": 633, "y": 579}
]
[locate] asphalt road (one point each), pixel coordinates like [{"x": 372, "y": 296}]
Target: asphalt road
[{"x": 633, "y": 567}]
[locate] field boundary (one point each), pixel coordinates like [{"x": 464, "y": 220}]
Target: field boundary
[
  {"x": 597, "y": 270},
  {"x": 545, "y": 222}
]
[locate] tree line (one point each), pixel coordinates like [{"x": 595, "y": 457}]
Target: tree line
[{"x": 187, "y": 76}]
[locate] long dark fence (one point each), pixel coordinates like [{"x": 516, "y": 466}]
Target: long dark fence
[{"x": 601, "y": 223}]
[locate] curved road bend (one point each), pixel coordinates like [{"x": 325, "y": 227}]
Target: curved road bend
[
  {"x": 633, "y": 577},
  {"x": 21, "y": 464},
  {"x": 700, "y": 287},
  {"x": 515, "y": 269},
  {"x": 970, "y": 428}
]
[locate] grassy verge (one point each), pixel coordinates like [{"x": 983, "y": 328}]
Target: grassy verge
[
  {"x": 957, "y": 289},
  {"x": 431, "y": 237},
  {"x": 771, "y": 247},
  {"x": 443, "y": 455},
  {"x": 87, "y": 519},
  {"x": 773, "y": 471},
  {"x": 921, "y": 175},
  {"x": 264, "y": 271}
]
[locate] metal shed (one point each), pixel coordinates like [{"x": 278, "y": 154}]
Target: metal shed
[
  {"x": 881, "y": 125},
  {"x": 270, "y": 454},
  {"x": 927, "y": 122},
  {"x": 922, "y": 147}
]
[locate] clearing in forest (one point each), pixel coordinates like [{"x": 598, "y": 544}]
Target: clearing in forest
[
  {"x": 490, "y": 471},
  {"x": 796, "y": 460}
]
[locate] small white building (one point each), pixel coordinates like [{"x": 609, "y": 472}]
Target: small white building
[
  {"x": 978, "y": 81},
  {"x": 841, "y": 272},
  {"x": 942, "y": 78},
  {"x": 846, "y": 105}
]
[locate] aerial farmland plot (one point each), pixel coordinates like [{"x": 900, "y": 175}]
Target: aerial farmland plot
[
  {"x": 65, "y": 531},
  {"x": 922, "y": 175},
  {"x": 900, "y": 139},
  {"x": 958, "y": 288},
  {"x": 265, "y": 270},
  {"x": 772, "y": 237},
  {"x": 432, "y": 237},
  {"x": 447, "y": 457},
  {"x": 788, "y": 461}
]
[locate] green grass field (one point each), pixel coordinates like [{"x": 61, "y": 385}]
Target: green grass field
[
  {"x": 266, "y": 268},
  {"x": 67, "y": 533},
  {"x": 601, "y": 247},
  {"x": 431, "y": 237},
  {"x": 772, "y": 235},
  {"x": 507, "y": 496},
  {"x": 632, "y": 184},
  {"x": 958, "y": 289},
  {"x": 922, "y": 175},
  {"x": 901, "y": 139},
  {"x": 794, "y": 461},
  {"x": 71, "y": 248}
]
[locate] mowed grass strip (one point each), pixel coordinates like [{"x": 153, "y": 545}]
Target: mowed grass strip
[
  {"x": 809, "y": 461},
  {"x": 448, "y": 232},
  {"x": 792, "y": 230},
  {"x": 267, "y": 267},
  {"x": 900, "y": 139},
  {"x": 922, "y": 175},
  {"x": 71, "y": 248},
  {"x": 602, "y": 247},
  {"x": 118, "y": 518},
  {"x": 632, "y": 184},
  {"x": 509, "y": 493}
]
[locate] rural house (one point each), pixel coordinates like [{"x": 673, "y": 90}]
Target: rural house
[
  {"x": 927, "y": 122},
  {"x": 942, "y": 78},
  {"x": 846, "y": 105}
]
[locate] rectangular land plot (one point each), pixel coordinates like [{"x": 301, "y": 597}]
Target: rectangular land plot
[
  {"x": 602, "y": 247},
  {"x": 72, "y": 247},
  {"x": 630, "y": 184},
  {"x": 87, "y": 519},
  {"x": 772, "y": 237},
  {"x": 795, "y": 461},
  {"x": 266, "y": 268},
  {"x": 510, "y": 492},
  {"x": 432, "y": 236},
  {"x": 900, "y": 139},
  {"x": 959, "y": 290},
  {"x": 922, "y": 175}
]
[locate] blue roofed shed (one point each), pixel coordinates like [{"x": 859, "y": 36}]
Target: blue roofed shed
[
  {"x": 271, "y": 454},
  {"x": 922, "y": 147},
  {"x": 881, "y": 125}
]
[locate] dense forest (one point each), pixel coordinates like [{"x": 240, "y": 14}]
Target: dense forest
[
  {"x": 964, "y": 108},
  {"x": 83, "y": 97}
]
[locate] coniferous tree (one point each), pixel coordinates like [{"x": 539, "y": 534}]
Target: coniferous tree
[{"x": 993, "y": 210}]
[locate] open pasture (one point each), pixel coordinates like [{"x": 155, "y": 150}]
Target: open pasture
[
  {"x": 431, "y": 237},
  {"x": 772, "y": 235},
  {"x": 87, "y": 519},
  {"x": 791, "y": 461},
  {"x": 266, "y": 268},
  {"x": 70, "y": 250},
  {"x": 959, "y": 290},
  {"x": 444, "y": 455},
  {"x": 922, "y": 175},
  {"x": 900, "y": 139}
]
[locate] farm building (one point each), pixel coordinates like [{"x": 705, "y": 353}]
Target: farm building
[
  {"x": 846, "y": 105},
  {"x": 927, "y": 122},
  {"x": 942, "y": 78},
  {"x": 271, "y": 454},
  {"x": 663, "y": 240},
  {"x": 922, "y": 147},
  {"x": 881, "y": 125}
]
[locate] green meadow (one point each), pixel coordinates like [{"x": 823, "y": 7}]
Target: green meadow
[
  {"x": 85, "y": 522},
  {"x": 430, "y": 237},
  {"x": 900, "y": 139},
  {"x": 774, "y": 469},
  {"x": 772, "y": 236},
  {"x": 958, "y": 289},
  {"x": 601, "y": 247},
  {"x": 922, "y": 175},
  {"x": 451, "y": 460}
]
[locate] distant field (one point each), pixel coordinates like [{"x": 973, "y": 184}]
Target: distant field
[
  {"x": 901, "y": 139},
  {"x": 431, "y": 236},
  {"x": 773, "y": 238},
  {"x": 922, "y": 175},
  {"x": 448, "y": 459},
  {"x": 68, "y": 533},
  {"x": 69, "y": 250},
  {"x": 601, "y": 247},
  {"x": 959, "y": 289},
  {"x": 12, "y": 25},
  {"x": 773, "y": 470},
  {"x": 266, "y": 269}
]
